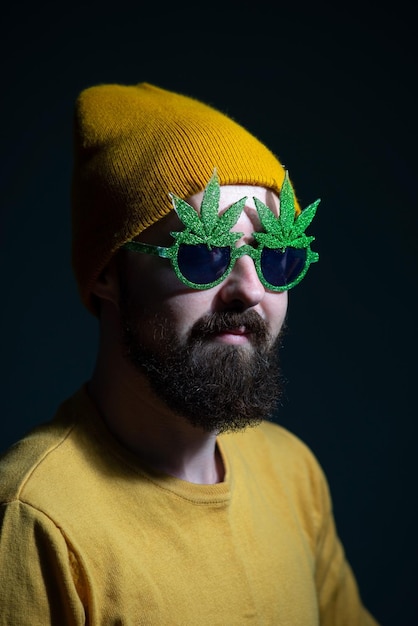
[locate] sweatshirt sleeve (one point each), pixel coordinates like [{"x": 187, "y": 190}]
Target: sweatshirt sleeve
[
  {"x": 39, "y": 580},
  {"x": 340, "y": 603}
]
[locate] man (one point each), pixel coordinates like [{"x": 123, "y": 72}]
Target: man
[{"x": 160, "y": 493}]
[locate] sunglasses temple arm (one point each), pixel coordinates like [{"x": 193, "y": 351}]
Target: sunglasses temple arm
[{"x": 147, "y": 248}]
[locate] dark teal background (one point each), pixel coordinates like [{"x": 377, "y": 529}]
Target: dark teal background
[{"x": 333, "y": 92}]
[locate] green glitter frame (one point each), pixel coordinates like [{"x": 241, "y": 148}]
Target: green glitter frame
[{"x": 213, "y": 230}]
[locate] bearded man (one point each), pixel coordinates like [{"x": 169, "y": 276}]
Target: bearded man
[{"x": 162, "y": 492}]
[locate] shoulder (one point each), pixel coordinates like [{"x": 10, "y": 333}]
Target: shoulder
[
  {"x": 278, "y": 459},
  {"x": 271, "y": 442},
  {"x": 24, "y": 463}
]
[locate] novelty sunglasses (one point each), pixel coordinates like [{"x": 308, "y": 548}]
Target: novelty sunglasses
[{"x": 204, "y": 253}]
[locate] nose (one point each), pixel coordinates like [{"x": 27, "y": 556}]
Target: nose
[{"x": 242, "y": 289}]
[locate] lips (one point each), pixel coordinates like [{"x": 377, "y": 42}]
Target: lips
[
  {"x": 241, "y": 330},
  {"x": 235, "y": 335}
]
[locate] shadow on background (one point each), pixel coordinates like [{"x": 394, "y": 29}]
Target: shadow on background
[{"x": 332, "y": 93}]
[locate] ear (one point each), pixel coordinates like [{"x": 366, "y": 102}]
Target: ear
[{"x": 106, "y": 286}]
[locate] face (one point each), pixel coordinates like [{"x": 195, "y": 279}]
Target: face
[
  {"x": 241, "y": 290},
  {"x": 211, "y": 354}
]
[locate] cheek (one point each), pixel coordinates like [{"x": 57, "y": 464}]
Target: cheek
[
  {"x": 162, "y": 293},
  {"x": 186, "y": 307},
  {"x": 152, "y": 281},
  {"x": 275, "y": 310}
]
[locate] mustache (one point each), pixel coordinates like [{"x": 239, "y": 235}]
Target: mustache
[{"x": 226, "y": 320}]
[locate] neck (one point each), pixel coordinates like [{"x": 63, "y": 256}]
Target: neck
[{"x": 161, "y": 439}]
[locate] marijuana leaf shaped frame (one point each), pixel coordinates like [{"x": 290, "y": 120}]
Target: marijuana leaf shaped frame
[
  {"x": 288, "y": 229},
  {"x": 213, "y": 230},
  {"x": 208, "y": 227}
]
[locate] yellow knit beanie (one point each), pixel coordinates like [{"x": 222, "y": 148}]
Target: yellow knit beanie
[{"x": 135, "y": 144}]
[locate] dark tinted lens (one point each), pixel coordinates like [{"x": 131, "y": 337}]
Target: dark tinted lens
[
  {"x": 203, "y": 265},
  {"x": 282, "y": 268}
]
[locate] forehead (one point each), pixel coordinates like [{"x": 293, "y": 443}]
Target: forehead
[
  {"x": 233, "y": 193},
  {"x": 159, "y": 233}
]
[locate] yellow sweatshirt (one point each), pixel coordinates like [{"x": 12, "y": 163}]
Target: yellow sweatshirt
[{"x": 89, "y": 537}]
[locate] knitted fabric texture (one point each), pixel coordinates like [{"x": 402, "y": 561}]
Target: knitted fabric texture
[{"x": 133, "y": 145}]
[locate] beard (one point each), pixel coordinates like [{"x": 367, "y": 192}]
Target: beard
[{"x": 215, "y": 387}]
